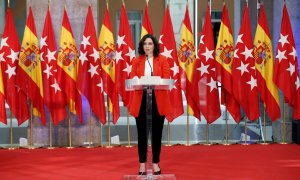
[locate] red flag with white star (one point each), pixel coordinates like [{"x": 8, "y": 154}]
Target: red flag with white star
[
  {"x": 243, "y": 70},
  {"x": 89, "y": 80},
  {"x": 9, "y": 54},
  {"x": 286, "y": 74},
  {"x": 124, "y": 54},
  {"x": 168, "y": 49},
  {"x": 53, "y": 95},
  {"x": 205, "y": 90}
]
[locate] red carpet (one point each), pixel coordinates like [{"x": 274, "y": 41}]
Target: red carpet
[{"x": 196, "y": 162}]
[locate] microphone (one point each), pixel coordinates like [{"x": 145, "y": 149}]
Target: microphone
[{"x": 149, "y": 65}]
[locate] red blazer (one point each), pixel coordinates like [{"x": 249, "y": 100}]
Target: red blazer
[{"x": 160, "y": 68}]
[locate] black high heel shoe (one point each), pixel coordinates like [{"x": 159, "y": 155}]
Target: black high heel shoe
[
  {"x": 157, "y": 172},
  {"x": 142, "y": 173}
]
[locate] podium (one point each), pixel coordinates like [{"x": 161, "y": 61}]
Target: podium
[{"x": 148, "y": 84}]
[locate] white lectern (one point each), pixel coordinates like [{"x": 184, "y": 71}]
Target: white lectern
[{"x": 148, "y": 84}]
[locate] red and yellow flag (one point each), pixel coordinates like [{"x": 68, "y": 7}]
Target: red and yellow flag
[
  {"x": 264, "y": 63},
  {"x": 146, "y": 26},
  {"x": 2, "y": 100},
  {"x": 67, "y": 67},
  {"x": 187, "y": 59},
  {"x": 224, "y": 58},
  {"x": 9, "y": 54},
  {"x": 108, "y": 63},
  {"x": 30, "y": 71},
  {"x": 89, "y": 80}
]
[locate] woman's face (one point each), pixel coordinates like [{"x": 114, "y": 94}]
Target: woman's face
[{"x": 148, "y": 47}]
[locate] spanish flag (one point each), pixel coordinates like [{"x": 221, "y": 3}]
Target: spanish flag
[
  {"x": 108, "y": 64},
  {"x": 2, "y": 100},
  {"x": 146, "y": 27},
  {"x": 67, "y": 67},
  {"x": 187, "y": 59},
  {"x": 224, "y": 58},
  {"x": 30, "y": 70},
  {"x": 264, "y": 63}
]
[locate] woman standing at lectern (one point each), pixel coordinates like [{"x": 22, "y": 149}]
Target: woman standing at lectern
[{"x": 150, "y": 62}]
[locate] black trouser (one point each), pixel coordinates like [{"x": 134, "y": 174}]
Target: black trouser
[{"x": 157, "y": 128}]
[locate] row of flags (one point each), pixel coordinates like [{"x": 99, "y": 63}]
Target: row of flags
[{"x": 37, "y": 72}]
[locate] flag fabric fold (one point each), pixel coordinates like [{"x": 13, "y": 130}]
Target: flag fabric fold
[
  {"x": 108, "y": 62},
  {"x": 9, "y": 54},
  {"x": 187, "y": 59},
  {"x": 286, "y": 74},
  {"x": 125, "y": 52},
  {"x": 53, "y": 95},
  {"x": 205, "y": 90},
  {"x": 30, "y": 71},
  {"x": 168, "y": 49},
  {"x": 89, "y": 80},
  {"x": 264, "y": 63},
  {"x": 2, "y": 100},
  {"x": 224, "y": 58},
  {"x": 67, "y": 67},
  {"x": 243, "y": 70},
  {"x": 146, "y": 25}
]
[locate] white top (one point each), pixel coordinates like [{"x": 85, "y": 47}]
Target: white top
[{"x": 147, "y": 66}]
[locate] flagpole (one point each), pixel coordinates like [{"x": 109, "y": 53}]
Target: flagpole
[
  {"x": 128, "y": 131},
  {"x": 11, "y": 134},
  {"x": 100, "y": 137},
  {"x": 207, "y": 143},
  {"x": 70, "y": 131},
  {"x": 108, "y": 121},
  {"x": 283, "y": 128},
  {"x": 265, "y": 130},
  {"x": 30, "y": 128},
  {"x": 226, "y": 121},
  {"x": 50, "y": 134},
  {"x": 90, "y": 129},
  {"x": 246, "y": 143},
  {"x": 169, "y": 134},
  {"x": 196, "y": 25},
  {"x": 187, "y": 127}
]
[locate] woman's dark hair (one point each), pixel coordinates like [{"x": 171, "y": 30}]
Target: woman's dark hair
[{"x": 156, "y": 50}]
